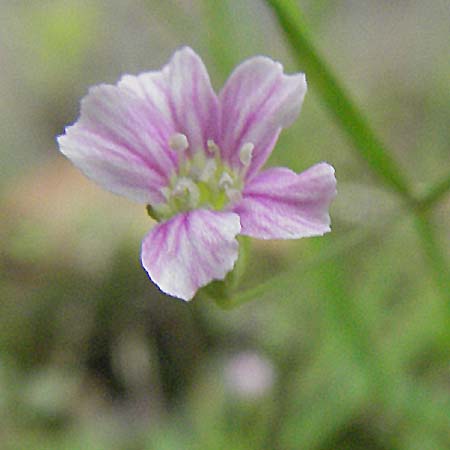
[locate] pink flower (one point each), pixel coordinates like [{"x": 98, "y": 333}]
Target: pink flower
[{"x": 167, "y": 140}]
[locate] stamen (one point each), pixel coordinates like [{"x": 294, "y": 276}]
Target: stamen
[
  {"x": 225, "y": 181},
  {"x": 246, "y": 153},
  {"x": 208, "y": 170},
  {"x": 213, "y": 147},
  {"x": 187, "y": 191},
  {"x": 201, "y": 179},
  {"x": 196, "y": 165},
  {"x": 178, "y": 142}
]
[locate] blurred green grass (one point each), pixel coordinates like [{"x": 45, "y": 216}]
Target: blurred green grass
[{"x": 354, "y": 325}]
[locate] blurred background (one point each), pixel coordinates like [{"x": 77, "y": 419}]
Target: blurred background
[{"x": 347, "y": 347}]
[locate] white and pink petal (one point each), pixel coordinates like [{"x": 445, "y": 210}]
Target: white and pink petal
[
  {"x": 190, "y": 250},
  {"x": 153, "y": 87},
  {"x": 256, "y": 102},
  {"x": 120, "y": 143},
  {"x": 194, "y": 104},
  {"x": 280, "y": 204}
]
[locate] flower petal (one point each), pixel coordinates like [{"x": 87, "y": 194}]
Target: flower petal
[
  {"x": 153, "y": 87},
  {"x": 190, "y": 250},
  {"x": 120, "y": 141},
  {"x": 194, "y": 103},
  {"x": 256, "y": 102},
  {"x": 280, "y": 204}
]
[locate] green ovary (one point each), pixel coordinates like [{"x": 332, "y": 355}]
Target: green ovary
[{"x": 214, "y": 199}]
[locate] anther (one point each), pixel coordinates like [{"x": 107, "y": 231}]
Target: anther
[
  {"x": 225, "y": 181},
  {"x": 186, "y": 190},
  {"x": 246, "y": 153},
  {"x": 212, "y": 147},
  {"x": 178, "y": 142}
]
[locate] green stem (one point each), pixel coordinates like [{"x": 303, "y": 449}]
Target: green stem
[
  {"x": 433, "y": 252},
  {"x": 219, "y": 24},
  {"x": 435, "y": 193},
  {"x": 337, "y": 100},
  {"x": 339, "y": 247}
]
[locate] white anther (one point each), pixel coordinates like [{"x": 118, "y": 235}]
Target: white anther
[
  {"x": 182, "y": 185},
  {"x": 212, "y": 147},
  {"x": 208, "y": 170},
  {"x": 178, "y": 142},
  {"x": 246, "y": 153},
  {"x": 225, "y": 181},
  {"x": 185, "y": 187}
]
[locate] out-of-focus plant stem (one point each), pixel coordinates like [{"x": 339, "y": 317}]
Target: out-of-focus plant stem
[
  {"x": 433, "y": 252},
  {"x": 219, "y": 24},
  {"x": 322, "y": 80},
  {"x": 277, "y": 283},
  {"x": 352, "y": 121},
  {"x": 435, "y": 194}
]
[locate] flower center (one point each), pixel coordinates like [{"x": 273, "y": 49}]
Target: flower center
[{"x": 202, "y": 180}]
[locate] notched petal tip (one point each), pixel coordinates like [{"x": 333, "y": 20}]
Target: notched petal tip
[
  {"x": 327, "y": 173},
  {"x": 257, "y": 101},
  {"x": 185, "y": 49},
  {"x": 295, "y": 91},
  {"x": 185, "y": 55},
  {"x": 60, "y": 137},
  {"x": 115, "y": 144},
  {"x": 280, "y": 204},
  {"x": 63, "y": 140},
  {"x": 194, "y": 104}
]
